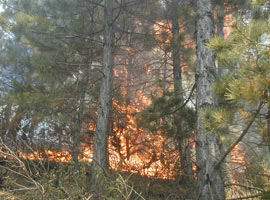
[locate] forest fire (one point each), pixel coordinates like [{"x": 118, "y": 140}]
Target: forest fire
[
  {"x": 134, "y": 99},
  {"x": 131, "y": 148}
]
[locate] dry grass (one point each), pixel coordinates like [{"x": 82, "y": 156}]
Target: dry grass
[{"x": 7, "y": 196}]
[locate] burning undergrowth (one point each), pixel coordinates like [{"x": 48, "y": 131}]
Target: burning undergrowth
[{"x": 46, "y": 179}]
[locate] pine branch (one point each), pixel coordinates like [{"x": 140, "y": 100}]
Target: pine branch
[{"x": 244, "y": 132}]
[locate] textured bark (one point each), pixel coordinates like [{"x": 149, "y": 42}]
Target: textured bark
[
  {"x": 208, "y": 148},
  {"x": 100, "y": 162}
]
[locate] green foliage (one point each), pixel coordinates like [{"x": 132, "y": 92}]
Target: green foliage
[
  {"x": 166, "y": 113},
  {"x": 218, "y": 44},
  {"x": 266, "y": 195},
  {"x": 61, "y": 182},
  {"x": 216, "y": 120},
  {"x": 245, "y": 55},
  {"x": 247, "y": 58},
  {"x": 220, "y": 89},
  {"x": 50, "y": 57}
]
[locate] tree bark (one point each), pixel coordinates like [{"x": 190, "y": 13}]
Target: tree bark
[
  {"x": 101, "y": 162},
  {"x": 208, "y": 148}
]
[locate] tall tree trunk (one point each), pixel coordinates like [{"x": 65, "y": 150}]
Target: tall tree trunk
[
  {"x": 101, "y": 162},
  {"x": 177, "y": 71},
  {"x": 78, "y": 125},
  {"x": 208, "y": 148},
  {"x": 184, "y": 150}
]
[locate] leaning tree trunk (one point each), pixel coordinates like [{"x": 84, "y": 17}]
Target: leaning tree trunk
[
  {"x": 101, "y": 162},
  {"x": 208, "y": 148}
]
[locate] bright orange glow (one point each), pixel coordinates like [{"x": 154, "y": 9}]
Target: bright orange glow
[
  {"x": 238, "y": 159},
  {"x": 131, "y": 148},
  {"x": 228, "y": 20},
  {"x": 163, "y": 32},
  {"x": 228, "y": 26},
  {"x": 58, "y": 156}
]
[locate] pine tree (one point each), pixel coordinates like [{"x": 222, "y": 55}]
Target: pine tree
[
  {"x": 246, "y": 55},
  {"x": 53, "y": 56},
  {"x": 244, "y": 91},
  {"x": 101, "y": 160}
]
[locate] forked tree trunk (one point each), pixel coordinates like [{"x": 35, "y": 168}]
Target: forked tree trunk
[
  {"x": 208, "y": 148},
  {"x": 100, "y": 162}
]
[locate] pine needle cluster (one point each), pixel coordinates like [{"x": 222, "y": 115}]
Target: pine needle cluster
[{"x": 246, "y": 55}]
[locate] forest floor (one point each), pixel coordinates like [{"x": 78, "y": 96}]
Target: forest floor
[{"x": 43, "y": 180}]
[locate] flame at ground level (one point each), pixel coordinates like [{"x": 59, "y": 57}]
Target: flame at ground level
[{"x": 135, "y": 164}]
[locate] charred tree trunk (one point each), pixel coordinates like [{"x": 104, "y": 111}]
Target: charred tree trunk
[
  {"x": 101, "y": 162},
  {"x": 208, "y": 148}
]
